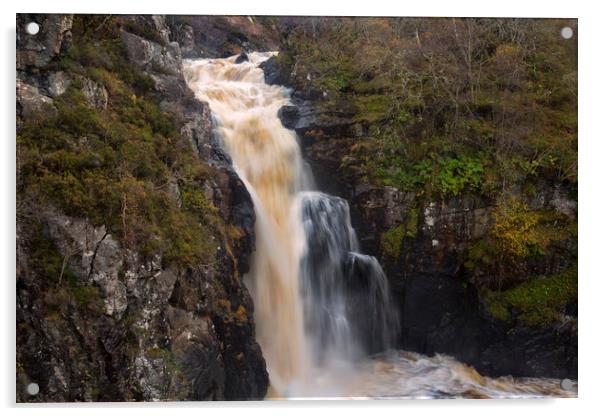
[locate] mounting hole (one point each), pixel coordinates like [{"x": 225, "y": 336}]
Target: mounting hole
[
  {"x": 566, "y": 384},
  {"x": 33, "y": 389},
  {"x": 566, "y": 32},
  {"x": 32, "y": 28}
]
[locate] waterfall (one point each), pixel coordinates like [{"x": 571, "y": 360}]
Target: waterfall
[
  {"x": 320, "y": 305},
  {"x": 345, "y": 293}
]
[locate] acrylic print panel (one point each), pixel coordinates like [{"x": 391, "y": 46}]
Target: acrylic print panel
[{"x": 263, "y": 207}]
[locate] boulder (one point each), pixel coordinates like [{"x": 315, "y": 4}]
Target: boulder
[
  {"x": 155, "y": 58},
  {"x": 273, "y": 72},
  {"x": 31, "y": 101},
  {"x": 242, "y": 57},
  {"x": 289, "y": 115}
]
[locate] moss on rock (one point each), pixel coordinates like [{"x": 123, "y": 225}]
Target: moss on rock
[
  {"x": 115, "y": 166},
  {"x": 536, "y": 302},
  {"x": 392, "y": 240}
]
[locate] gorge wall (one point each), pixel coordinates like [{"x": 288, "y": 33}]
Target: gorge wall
[
  {"x": 437, "y": 250},
  {"x": 100, "y": 315}
]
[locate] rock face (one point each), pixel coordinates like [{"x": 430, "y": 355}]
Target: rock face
[
  {"x": 130, "y": 329},
  {"x": 222, "y": 36},
  {"x": 242, "y": 58},
  {"x": 440, "y": 310}
]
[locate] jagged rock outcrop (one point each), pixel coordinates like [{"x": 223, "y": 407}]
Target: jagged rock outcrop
[{"x": 114, "y": 325}]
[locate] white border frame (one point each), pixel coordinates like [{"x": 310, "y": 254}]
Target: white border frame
[{"x": 590, "y": 289}]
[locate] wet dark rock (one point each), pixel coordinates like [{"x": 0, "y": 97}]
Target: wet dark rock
[
  {"x": 313, "y": 122},
  {"x": 441, "y": 315},
  {"x": 242, "y": 58},
  {"x": 193, "y": 343},
  {"x": 289, "y": 115},
  {"x": 374, "y": 319},
  {"x": 273, "y": 73}
]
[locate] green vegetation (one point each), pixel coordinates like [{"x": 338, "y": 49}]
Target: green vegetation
[
  {"x": 450, "y": 105},
  {"x": 441, "y": 175},
  {"x": 85, "y": 295},
  {"x": 117, "y": 166},
  {"x": 46, "y": 260},
  {"x": 516, "y": 230},
  {"x": 156, "y": 353},
  {"x": 465, "y": 110},
  {"x": 536, "y": 302}
]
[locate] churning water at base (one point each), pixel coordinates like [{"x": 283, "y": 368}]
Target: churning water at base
[{"x": 321, "y": 307}]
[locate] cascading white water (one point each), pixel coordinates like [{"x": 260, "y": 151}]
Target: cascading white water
[
  {"x": 267, "y": 158},
  {"x": 320, "y": 305},
  {"x": 306, "y": 269},
  {"x": 345, "y": 293}
]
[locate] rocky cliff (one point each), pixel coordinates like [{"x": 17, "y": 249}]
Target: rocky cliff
[
  {"x": 129, "y": 275},
  {"x": 458, "y": 290}
]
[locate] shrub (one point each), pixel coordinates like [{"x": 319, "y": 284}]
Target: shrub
[{"x": 516, "y": 229}]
